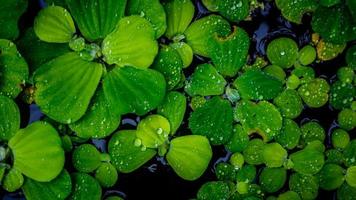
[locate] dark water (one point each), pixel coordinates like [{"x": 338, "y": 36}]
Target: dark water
[{"x": 156, "y": 180}]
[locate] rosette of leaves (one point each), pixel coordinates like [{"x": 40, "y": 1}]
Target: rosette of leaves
[
  {"x": 209, "y": 36},
  {"x": 130, "y": 149},
  {"x": 108, "y": 66},
  {"x": 36, "y": 150}
]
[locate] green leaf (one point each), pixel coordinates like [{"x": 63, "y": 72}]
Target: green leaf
[
  {"x": 10, "y": 13},
  {"x": 274, "y": 155},
  {"x": 233, "y": 10},
  {"x": 305, "y": 185},
  {"x": 214, "y": 190},
  {"x": 153, "y": 131},
  {"x": 329, "y": 3},
  {"x": 289, "y": 135},
  {"x": 185, "y": 52},
  {"x": 293, "y": 10},
  {"x": 346, "y": 192},
  {"x": 312, "y": 131},
  {"x": 85, "y": 186},
  {"x": 272, "y": 179},
  {"x": 349, "y": 154},
  {"x": 54, "y": 24},
  {"x": 229, "y": 53},
  {"x": 351, "y": 57},
  {"x": 99, "y": 121},
  {"x": 258, "y": 85},
  {"x": 331, "y": 177},
  {"x": 282, "y": 52},
  {"x": 106, "y": 174},
  {"x": 38, "y": 152},
  {"x": 126, "y": 154},
  {"x": 134, "y": 90},
  {"x": 169, "y": 63},
  {"x": 205, "y": 81},
  {"x": 276, "y": 71},
  {"x": 179, "y": 15},
  {"x": 186, "y": 150},
  {"x": 86, "y": 158},
  {"x": 347, "y": 119},
  {"x": 262, "y": 118},
  {"x": 307, "y": 161},
  {"x": 307, "y": 55},
  {"x": 214, "y": 120},
  {"x": 96, "y": 18},
  {"x": 253, "y": 154},
  {"x": 65, "y": 85},
  {"x": 201, "y": 33},
  {"x": 13, "y": 180},
  {"x": 10, "y": 124},
  {"x": 289, "y": 103},
  {"x": 340, "y": 138},
  {"x": 315, "y": 92},
  {"x": 131, "y": 43},
  {"x": 342, "y": 95},
  {"x": 152, "y": 10},
  {"x": 328, "y": 51},
  {"x": 173, "y": 108},
  {"x": 350, "y": 176},
  {"x": 13, "y": 69},
  {"x": 36, "y": 52},
  {"x": 57, "y": 189},
  {"x": 334, "y": 24},
  {"x": 239, "y": 139}
]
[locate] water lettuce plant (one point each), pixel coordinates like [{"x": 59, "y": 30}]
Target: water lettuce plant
[{"x": 96, "y": 92}]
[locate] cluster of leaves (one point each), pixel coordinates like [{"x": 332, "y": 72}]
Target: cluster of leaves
[{"x": 88, "y": 62}]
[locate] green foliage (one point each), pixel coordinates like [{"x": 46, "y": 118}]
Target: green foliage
[
  {"x": 331, "y": 177},
  {"x": 305, "y": 185},
  {"x": 213, "y": 190},
  {"x": 307, "y": 161},
  {"x": 37, "y": 152},
  {"x": 213, "y": 120},
  {"x": 86, "y": 158},
  {"x": 282, "y": 52},
  {"x": 11, "y": 123},
  {"x": 106, "y": 175},
  {"x": 84, "y": 186},
  {"x": 272, "y": 179},
  {"x": 233, "y": 10},
  {"x": 274, "y": 155},
  {"x": 315, "y": 92},
  {"x": 289, "y": 103},
  {"x": 294, "y": 10},
  {"x": 10, "y": 13},
  {"x": 258, "y": 85},
  {"x": 289, "y": 135},
  {"x": 205, "y": 81},
  {"x": 13, "y": 180},
  {"x": 57, "y": 189}
]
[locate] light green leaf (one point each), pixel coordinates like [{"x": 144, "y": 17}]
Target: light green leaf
[
  {"x": 96, "y": 18},
  {"x": 54, "y": 24},
  {"x": 307, "y": 161},
  {"x": 258, "y": 85},
  {"x": 152, "y": 10},
  {"x": 57, "y": 189},
  {"x": 185, "y": 52},
  {"x": 213, "y": 120},
  {"x": 10, "y": 13},
  {"x": 131, "y": 43},
  {"x": 38, "y": 152},
  {"x": 65, "y": 85},
  {"x": 205, "y": 81},
  {"x": 173, "y": 108},
  {"x": 201, "y": 33},
  {"x": 351, "y": 176},
  {"x": 106, "y": 175},
  {"x": 134, "y": 90},
  {"x": 13, "y": 69},
  {"x": 126, "y": 153},
  {"x": 229, "y": 53},
  {"x": 86, "y": 158},
  {"x": 13, "y": 180},
  {"x": 153, "y": 131},
  {"x": 179, "y": 15},
  {"x": 186, "y": 150},
  {"x": 10, "y": 124},
  {"x": 85, "y": 186},
  {"x": 99, "y": 121},
  {"x": 315, "y": 93}
]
